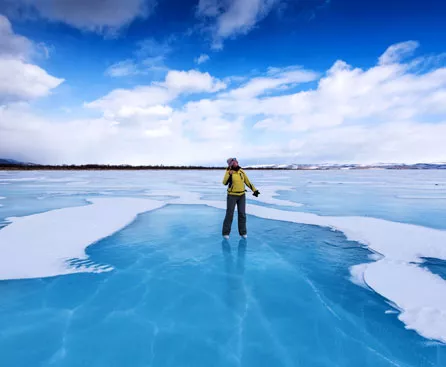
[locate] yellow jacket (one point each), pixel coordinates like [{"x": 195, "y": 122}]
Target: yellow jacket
[{"x": 239, "y": 179}]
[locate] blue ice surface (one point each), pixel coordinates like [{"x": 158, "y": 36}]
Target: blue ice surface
[
  {"x": 179, "y": 296},
  {"x": 416, "y": 197},
  {"x": 435, "y": 266}
]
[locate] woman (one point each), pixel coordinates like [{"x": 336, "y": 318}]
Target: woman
[{"x": 236, "y": 179}]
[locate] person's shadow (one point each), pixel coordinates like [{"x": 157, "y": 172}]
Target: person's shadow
[{"x": 234, "y": 270}]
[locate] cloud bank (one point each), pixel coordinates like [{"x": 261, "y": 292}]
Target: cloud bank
[{"x": 393, "y": 111}]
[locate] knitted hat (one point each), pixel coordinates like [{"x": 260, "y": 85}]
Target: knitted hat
[{"x": 230, "y": 160}]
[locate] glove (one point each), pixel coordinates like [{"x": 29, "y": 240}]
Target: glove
[{"x": 256, "y": 193}]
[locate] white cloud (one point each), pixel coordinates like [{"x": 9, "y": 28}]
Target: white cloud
[
  {"x": 44, "y": 50},
  {"x": 22, "y": 81},
  {"x": 149, "y": 66},
  {"x": 214, "y": 128},
  {"x": 144, "y": 98},
  {"x": 389, "y": 112},
  {"x": 103, "y": 16},
  {"x": 160, "y": 132},
  {"x": 210, "y": 8},
  {"x": 140, "y": 97},
  {"x": 397, "y": 52},
  {"x": 100, "y": 140},
  {"x": 379, "y": 94},
  {"x": 12, "y": 45},
  {"x": 279, "y": 78},
  {"x": 408, "y": 142},
  {"x": 242, "y": 15},
  {"x": 233, "y": 17},
  {"x": 202, "y": 58},
  {"x": 192, "y": 81},
  {"x": 156, "y": 111},
  {"x": 122, "y": 68},
  {"x": 19, "y": 79}
]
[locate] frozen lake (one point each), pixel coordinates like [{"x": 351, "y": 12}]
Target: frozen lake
[{"x": 341, "y": 268}]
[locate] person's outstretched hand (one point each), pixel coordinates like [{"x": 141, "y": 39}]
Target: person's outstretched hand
[{"x": 256, "y": 193}]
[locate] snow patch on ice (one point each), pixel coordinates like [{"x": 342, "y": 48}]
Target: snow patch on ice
[
  {"x": 357, "y": 274},
  {"x": 375, "y": 257},
  {"x": 40, "y": 245},
  {"x": 419, "y": 294},
  {"x": 268, "y": 194},
  {"x": 179, "y": 197}
]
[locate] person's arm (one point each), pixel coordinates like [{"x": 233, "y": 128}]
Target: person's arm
[
  {"x": 227, "y": 175},
  {"x": 250, "y": 185}
]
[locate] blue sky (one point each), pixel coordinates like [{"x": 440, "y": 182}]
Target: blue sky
[{"x": 192, "y": 82}]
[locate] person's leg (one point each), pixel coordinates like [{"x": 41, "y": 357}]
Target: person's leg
[
  {"x": 230, "y": 207},
  {"x": 241, "y": 208}
]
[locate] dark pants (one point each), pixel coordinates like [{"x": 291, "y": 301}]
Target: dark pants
[{"x": 232, "y": 200}]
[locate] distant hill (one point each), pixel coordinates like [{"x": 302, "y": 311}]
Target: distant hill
[
  {"x": 9, "y": 161},
  {"x": 4, "y": 161}
]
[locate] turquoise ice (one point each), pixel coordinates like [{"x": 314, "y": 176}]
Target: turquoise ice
[{"x": 174, "y": 294}]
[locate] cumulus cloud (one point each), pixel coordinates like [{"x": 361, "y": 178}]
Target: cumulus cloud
[
  {"x": 390, "y": 112},
  {"x": 92, "y": 15},
  {"x": 20, "y": 80},
  {"x": 346, "y": 94},
  {"x": 276, "y": 79},
  {"x": 408, "y": 142},
  {"x": 11, "y": 44},
  {"x": 192, "y": 81},
  {"x": 142, "y": 98},
  {"x": 102, "y": 140},
  {"x": 202, "y": 58}
]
